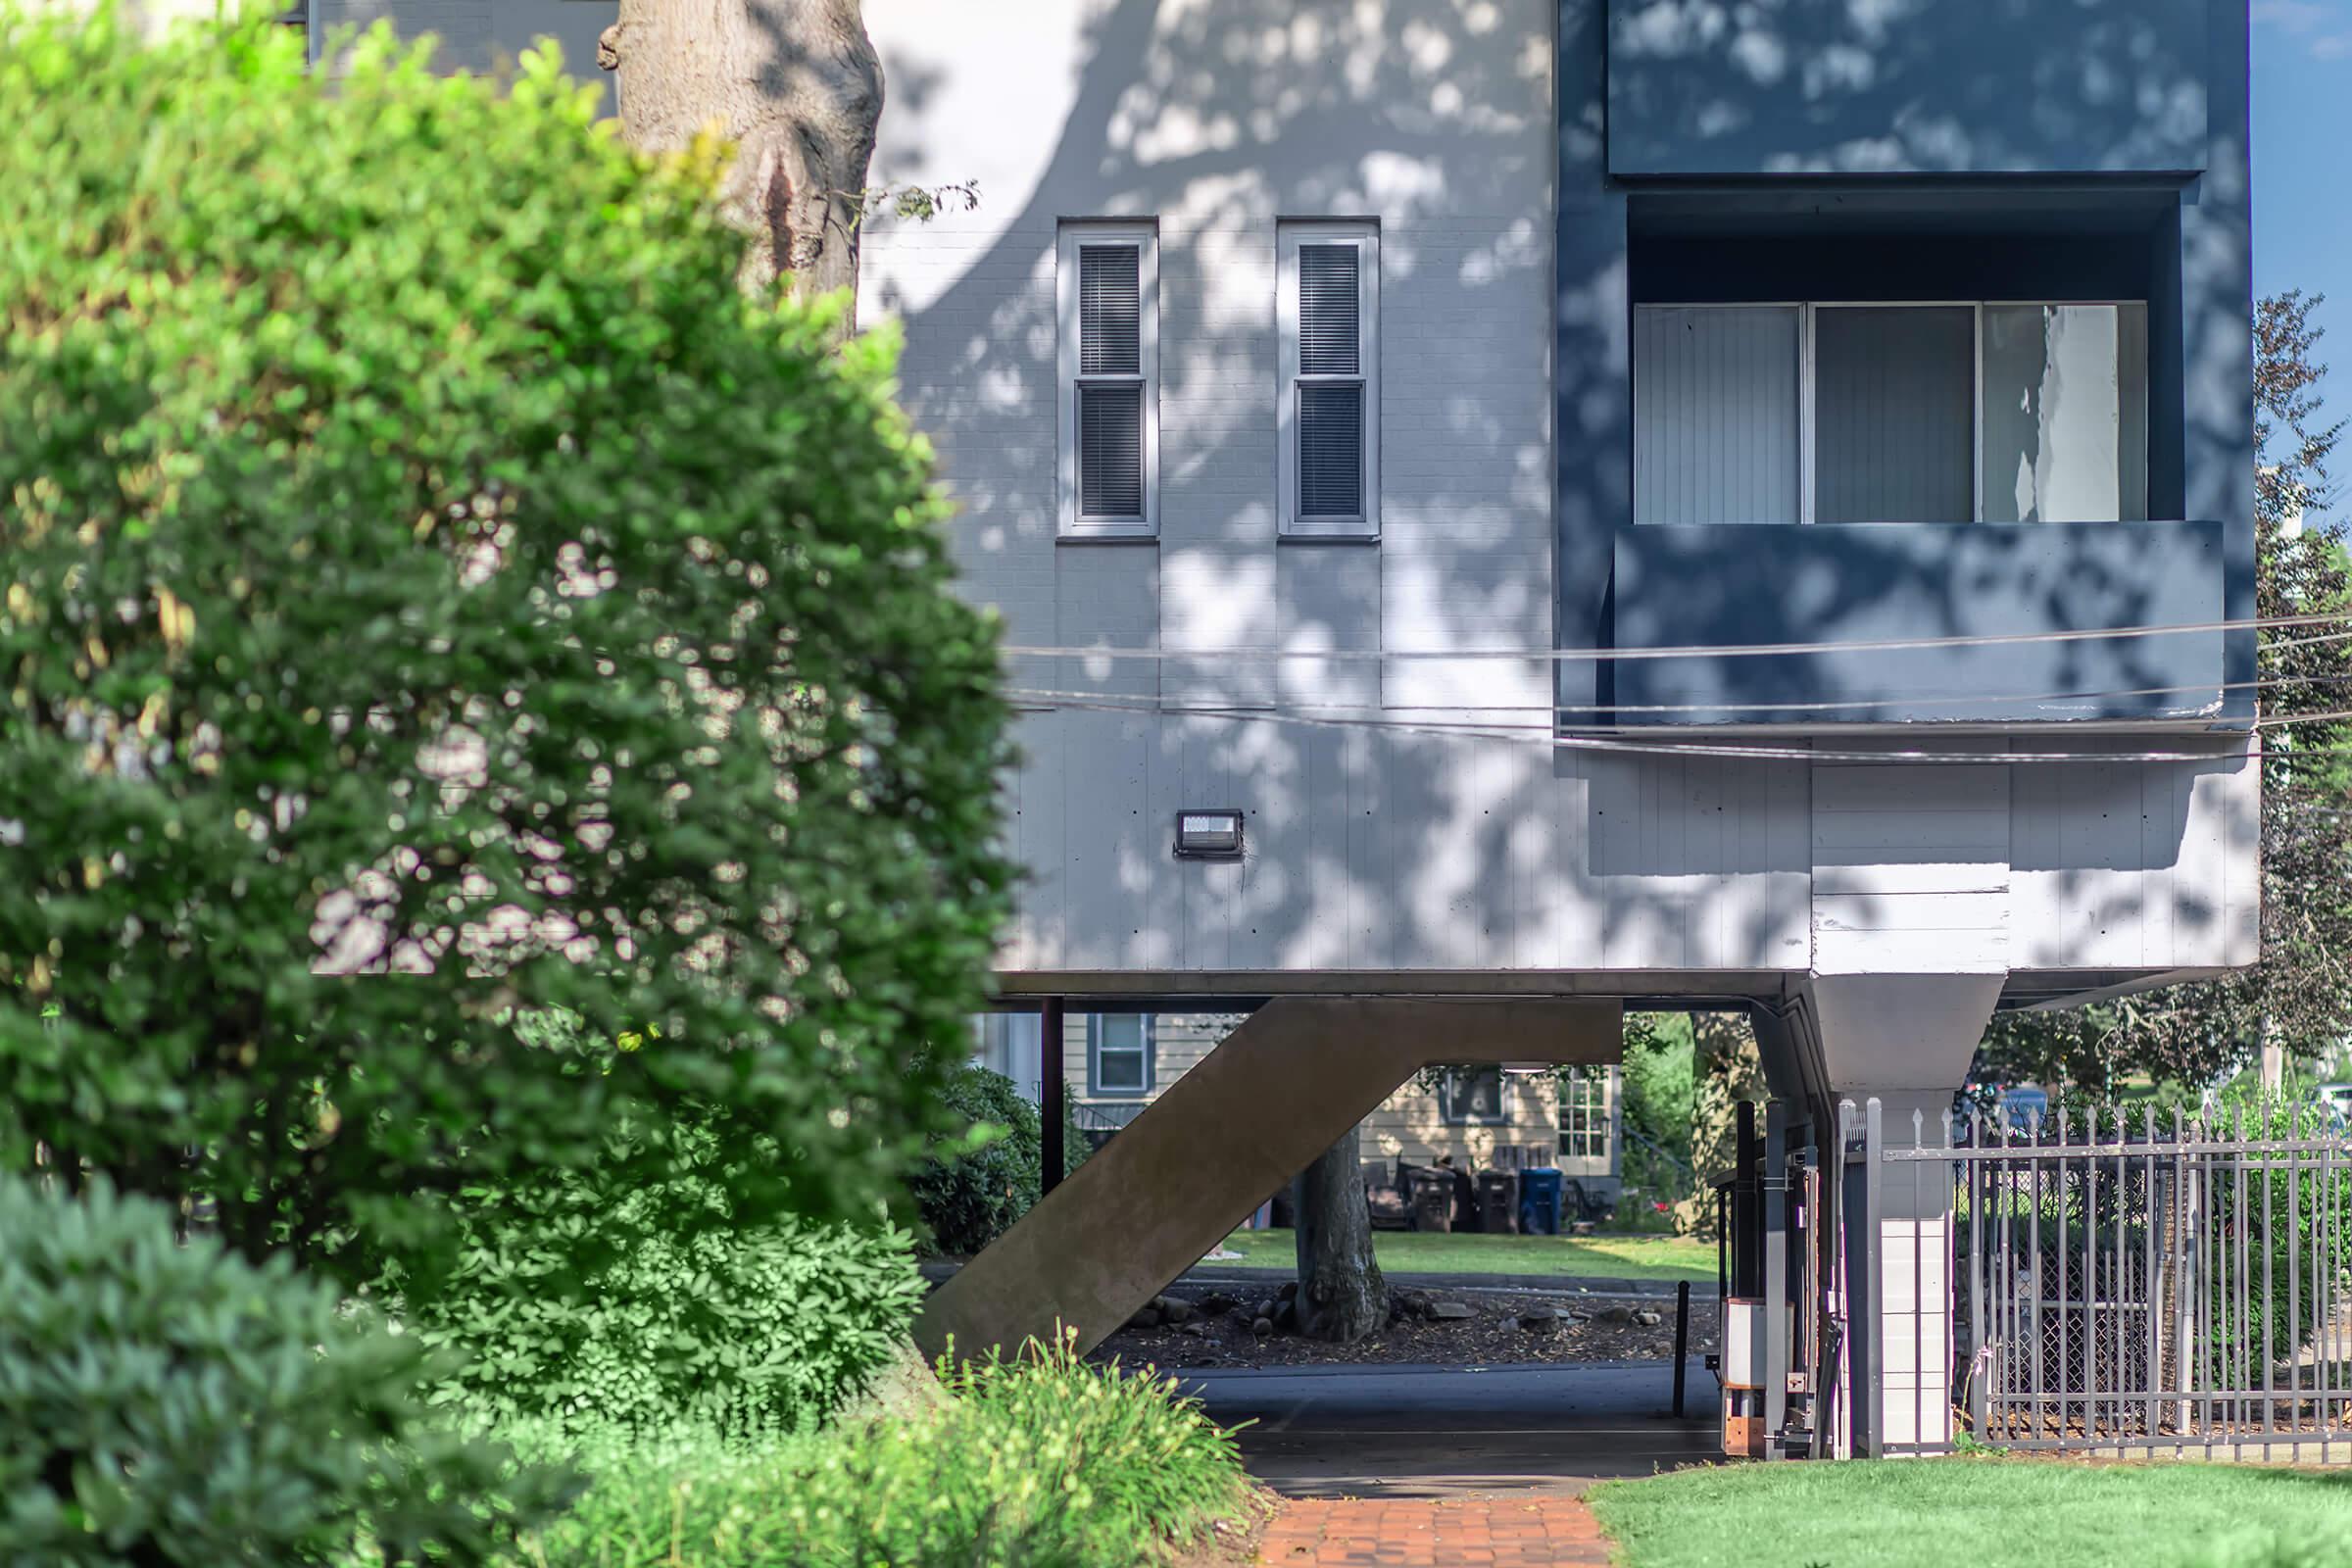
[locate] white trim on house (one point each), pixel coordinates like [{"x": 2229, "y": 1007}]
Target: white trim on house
[
  {"x": 1076, "y": 234},
  {"x": 1364, "y": 236}
]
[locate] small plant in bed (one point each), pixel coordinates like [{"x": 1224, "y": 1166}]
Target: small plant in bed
[{"x": 1036, "y": 1462}]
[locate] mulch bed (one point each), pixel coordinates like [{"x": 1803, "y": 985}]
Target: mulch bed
[{"x": 1217, "y": 1331}]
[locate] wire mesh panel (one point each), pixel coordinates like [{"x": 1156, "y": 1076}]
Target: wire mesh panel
[{"x": 2125, "y": 1286}]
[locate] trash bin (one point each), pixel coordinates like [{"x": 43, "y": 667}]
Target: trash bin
[
  {"x": 1498, "y": 1201},
  {"x": 1433, "y": 1198},
  {"x": 1539, "y": 1200}
]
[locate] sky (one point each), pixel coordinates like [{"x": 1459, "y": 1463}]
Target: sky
[{"x": 2303, "y": 166}]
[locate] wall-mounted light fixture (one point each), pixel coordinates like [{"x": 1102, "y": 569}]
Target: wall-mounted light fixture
[{"x": 1208, "y": 835}]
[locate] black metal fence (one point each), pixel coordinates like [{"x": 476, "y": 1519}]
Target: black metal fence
[{"x": 2117, "y": 1285}]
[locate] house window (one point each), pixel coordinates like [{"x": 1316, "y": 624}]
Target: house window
[
  {"x": 2001, "y": 412},
  {"x": 1107, "y": 280},
  {"x": 1118, "y": 1053},
  {"x": 1329, "y": 308},
  {"x": 1585, "y": 1113},
  {"x": 1473, "y": 1096}
]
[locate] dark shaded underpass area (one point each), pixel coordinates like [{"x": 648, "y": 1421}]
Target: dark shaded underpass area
[{"x": 1437, "y": 1432}]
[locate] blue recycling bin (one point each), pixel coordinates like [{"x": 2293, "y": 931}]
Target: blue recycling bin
[{"x": 1539, "y": 1201}]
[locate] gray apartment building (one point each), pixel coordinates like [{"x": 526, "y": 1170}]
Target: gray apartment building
[{"x": 1504, "y": 510}]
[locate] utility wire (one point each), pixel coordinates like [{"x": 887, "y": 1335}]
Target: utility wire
[
  {"x": 1047, "y": 693},
  {"x": 2225, "y": 751},
  {"x": 1724, "y": 651}
]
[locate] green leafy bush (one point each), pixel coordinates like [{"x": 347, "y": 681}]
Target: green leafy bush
[
  {"x": 969, "y": 1197},
  {"x": 1044, "y": 1462},
  {"x": 420, "y": 557},
  {"x": 586, "y": 1300},
  {"x": 164, "y": 1403}
]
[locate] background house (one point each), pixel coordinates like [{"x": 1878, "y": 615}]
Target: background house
[{"x": 1483, "y": 1118}]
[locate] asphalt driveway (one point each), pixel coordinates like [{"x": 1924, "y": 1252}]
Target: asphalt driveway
[{"x": 1435, "y": 1432}]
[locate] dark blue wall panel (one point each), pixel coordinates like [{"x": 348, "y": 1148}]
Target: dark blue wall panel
[
  {"x": 1912, "y": 86},
  {"x": 1724, "y": 585}
]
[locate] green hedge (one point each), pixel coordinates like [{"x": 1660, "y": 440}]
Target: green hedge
[
  {"x": 1042, "y": 1463},
  {"x": 420, "y": 552},
  {"x": 170, "y": 1404},
  {"x": 582, "y": 1298},
  {"x": 968, "y": 1197}
]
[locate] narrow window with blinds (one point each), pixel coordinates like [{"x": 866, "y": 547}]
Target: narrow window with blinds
[
  {"x": 1330, "y": 400},
  {"x": 1109, "y": 325}
]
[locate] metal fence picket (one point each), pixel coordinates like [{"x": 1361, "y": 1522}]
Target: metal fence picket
[{"x": 2106, "y": 1286}]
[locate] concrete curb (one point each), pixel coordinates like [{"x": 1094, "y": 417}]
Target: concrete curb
[{"x": 1221, "y": 1277}]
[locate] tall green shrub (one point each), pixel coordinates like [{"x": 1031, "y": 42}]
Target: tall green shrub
[
  {"x": 589, "y": 1301},
  {"x": 162, "y": 1403},
  {"x": 419, "y": 557},
  {"x": 969, "y": 1197}
]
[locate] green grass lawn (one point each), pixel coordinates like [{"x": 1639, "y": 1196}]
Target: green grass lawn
[
  {"x": 1622, "y": 1257},
  {"x": 1981, "y": 1513}
]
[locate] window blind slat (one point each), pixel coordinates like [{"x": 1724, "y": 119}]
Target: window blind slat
[
  {"x": 1110, "y": 451},
  {"x": 1327, "y": 310},
  {"x": 1111, "y": 309},
  {"x": 1330, "y": 451}
]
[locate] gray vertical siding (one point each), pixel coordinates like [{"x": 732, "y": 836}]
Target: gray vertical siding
[
  {"x": 1379, "y": 853},
  {"x": 1716, "y": 414}
]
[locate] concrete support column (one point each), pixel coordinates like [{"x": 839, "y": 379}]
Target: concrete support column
[{"x": 1906, "y": 1041}]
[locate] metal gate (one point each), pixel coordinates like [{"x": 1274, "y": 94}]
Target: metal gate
[{"x": 2114, "y": 1287}]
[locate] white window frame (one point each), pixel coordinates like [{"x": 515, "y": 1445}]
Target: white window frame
[
  {"x": 1450, "y": 1092},
  {"x": 1146, "y": 1050},
  {"x": 1145, "y": 236},
  {"x": 1605, "y": 1105},
  {"x": 1364, "y": 234},
  {"x": 1807, "y": 314}
]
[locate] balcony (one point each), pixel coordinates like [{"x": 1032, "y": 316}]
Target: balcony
[
  {"x": 1725, "y": 586},
  {"x": 1893, "y": 470}
]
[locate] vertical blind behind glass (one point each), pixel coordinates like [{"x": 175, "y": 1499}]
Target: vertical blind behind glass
[
  {"x": 1111, "y": 309},
  {"x": 1111, "y": 416},
  {"x": 1327, "y": 305},
  {"x": 1895, "y": 413},
  {"x": 1110, "y": 450},
  {"x": 1716, "y": 422},
  {"x": 1331, "y": 414}
]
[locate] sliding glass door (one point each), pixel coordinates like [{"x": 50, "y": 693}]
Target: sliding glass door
[{"x": 1909, "y": 412}]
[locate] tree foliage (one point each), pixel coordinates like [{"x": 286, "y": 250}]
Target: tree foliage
[
  {"x": 583, "y": 1301},
  {"x": 2300, "y": 990},
  {"x": 438, "y": 600},
  {"x": 166, "y": 1403}
]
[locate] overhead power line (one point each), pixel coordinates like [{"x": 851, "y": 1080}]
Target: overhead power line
[
  {"x": 2342, "y": 617},
  {"x": 2226, "y": 747},
  {"x": 1730, "y": 704}
]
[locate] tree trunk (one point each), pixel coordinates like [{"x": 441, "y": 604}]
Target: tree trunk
[
  {"x": 1726, "y": 1068},
  {"x": 1342, "y": 1297},
  {"x": 794, "y": 84}
]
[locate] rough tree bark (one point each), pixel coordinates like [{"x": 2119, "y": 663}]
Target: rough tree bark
[
  {"x": 1342, "y": 1297},
  {"x": 1727, "y": 1069},
  {"x": 795, "y": 84}
]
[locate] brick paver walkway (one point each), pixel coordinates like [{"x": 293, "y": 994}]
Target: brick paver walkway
[{"x": 1504, "y": 1531}]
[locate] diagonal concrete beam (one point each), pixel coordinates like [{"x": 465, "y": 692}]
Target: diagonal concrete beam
[{"x": 1256, "y": 1112}]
